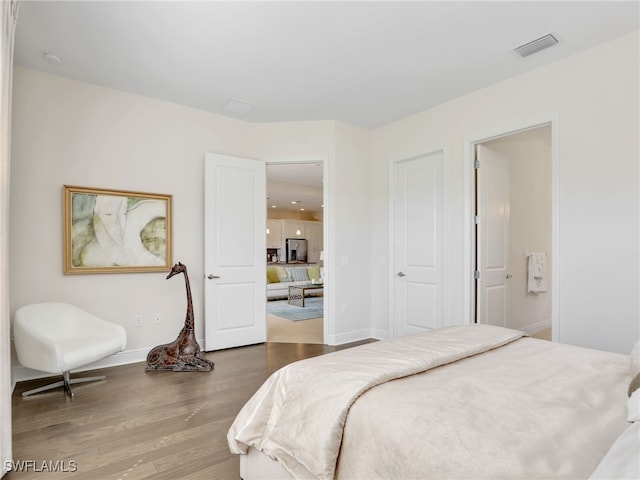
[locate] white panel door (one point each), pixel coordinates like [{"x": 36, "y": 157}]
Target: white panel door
[
  {"x": 234, "y": 251},
  {"x": 418, "y": 244},
  {"x": 493, "y": 236}
]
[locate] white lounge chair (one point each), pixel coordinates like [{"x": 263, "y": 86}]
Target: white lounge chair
[{"x": 59, "y": 337}]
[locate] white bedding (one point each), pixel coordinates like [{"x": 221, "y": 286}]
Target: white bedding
[
  {"x": 528, "y": 409},
  {"x": 622, "y": 461}
]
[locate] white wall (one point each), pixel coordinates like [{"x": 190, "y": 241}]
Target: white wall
[
  {"x": 347, "y": 153},
  {"x": 592, "y": 98},
  {"x": 69, "y": 132},
  {"x": 348, "y": 255},
  {"x": 8, "y": 14},
  {"x": 529, "y": 155}
]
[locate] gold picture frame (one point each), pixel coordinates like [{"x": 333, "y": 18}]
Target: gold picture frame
[{"x": 116, "y": 231}]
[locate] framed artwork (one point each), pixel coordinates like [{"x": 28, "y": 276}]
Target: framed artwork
[{"x": 115, "y": 231}]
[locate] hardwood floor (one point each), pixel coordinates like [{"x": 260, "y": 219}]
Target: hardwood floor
[
  {"x": 543, "y": 335},
  {"x": 145, "y": 425},
  {"x": 282, "y": 330}
]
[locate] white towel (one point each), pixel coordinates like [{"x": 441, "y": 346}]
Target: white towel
[{"x": 536, "y": 278}]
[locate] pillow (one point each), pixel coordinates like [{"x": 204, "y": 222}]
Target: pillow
[
  {"x": 313, "y": 273},
  {"x": 635, "y": 359},
  {"x": 633, "y": 402},
  {"x": 283, "y": 274},
  {"x": 299, "y": 274},
  {"x": 621, "y": 461},
  {"x": 272, "y": 275}
]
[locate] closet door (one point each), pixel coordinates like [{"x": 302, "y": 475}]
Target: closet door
[{"x": 418, "y": 244}]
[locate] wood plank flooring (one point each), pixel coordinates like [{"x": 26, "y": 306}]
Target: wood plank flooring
[
  {"x": 282, "y": 330},
  {"x": 145, "y": 425}
]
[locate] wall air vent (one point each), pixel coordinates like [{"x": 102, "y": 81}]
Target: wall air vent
[{"x": 536, "y": 45}]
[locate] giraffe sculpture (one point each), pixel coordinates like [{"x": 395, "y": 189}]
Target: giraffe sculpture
[{"x": 183, "y": 354}]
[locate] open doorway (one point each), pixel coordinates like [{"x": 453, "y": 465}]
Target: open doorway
[
  {"x": 513, "y": 247},
  {"x": 295, "y": 252}
]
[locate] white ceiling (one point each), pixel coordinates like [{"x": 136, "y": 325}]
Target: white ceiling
[
  {"x": 365, "y": 63},
  {"x": 299, "y": 182}
]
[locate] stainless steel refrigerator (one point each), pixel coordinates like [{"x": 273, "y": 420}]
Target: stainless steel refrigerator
[{"x": 296, "y": 250}]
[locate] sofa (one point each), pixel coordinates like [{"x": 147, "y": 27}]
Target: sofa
[{"x": 280, "y": 277}]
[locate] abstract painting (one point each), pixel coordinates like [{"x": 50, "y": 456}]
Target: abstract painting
[{"x": 115, "y": 231}]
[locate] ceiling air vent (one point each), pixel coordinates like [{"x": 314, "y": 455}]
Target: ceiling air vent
[
  {"x": 536, "y": 45},
  {"x": 238, "y": 106}
]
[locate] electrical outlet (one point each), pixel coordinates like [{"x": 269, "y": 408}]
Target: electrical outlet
[
  {"x": 156, "y": 319},
  {"x": 138, "y": 321}
]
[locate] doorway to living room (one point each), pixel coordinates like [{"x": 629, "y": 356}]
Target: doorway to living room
[{"x": 295, "y": 252}]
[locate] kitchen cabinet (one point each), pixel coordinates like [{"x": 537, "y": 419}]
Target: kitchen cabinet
[
  {"x": 275, "y": 239},
  {"x": 292, "y": 227},
  {"x": 280, "y": 230},
  {"x": 313, "y": 231}
]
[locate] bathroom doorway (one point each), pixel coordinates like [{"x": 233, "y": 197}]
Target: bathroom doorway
[{"x": 513, "y": 246}]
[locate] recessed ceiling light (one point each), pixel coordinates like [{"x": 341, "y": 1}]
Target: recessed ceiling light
[
  {"x": 52, "y": 59},
  {"x": 294, "y": 202},
  {"x": 274, "y": 206},
  {"x": 238, "y": 106}
]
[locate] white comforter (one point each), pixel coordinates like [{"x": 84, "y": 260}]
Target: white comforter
[{"x": 428, "y": 425}]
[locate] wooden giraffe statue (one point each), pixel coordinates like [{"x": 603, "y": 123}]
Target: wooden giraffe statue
[{"x": 183, "y": 354}]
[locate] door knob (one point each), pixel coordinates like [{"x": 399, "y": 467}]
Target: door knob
[
  {"x": 211, "y": 276},
  {"x": 400, "y": 274},
  {"x": 508, "y": 276}
]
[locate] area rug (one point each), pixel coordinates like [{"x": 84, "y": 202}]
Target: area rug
[{"x": 313, "y": 308}]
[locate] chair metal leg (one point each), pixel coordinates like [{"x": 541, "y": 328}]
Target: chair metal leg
[
  {"x": 66, "y": 383},
  {"x": 51, "y": 386}
]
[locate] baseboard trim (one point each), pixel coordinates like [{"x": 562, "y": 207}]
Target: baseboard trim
[
  {"x": 537, "y": 327},
  {"x": 379, "y": 334},
  {"x": 349, "y": 337},
  {"x": 21, "y": 374}
]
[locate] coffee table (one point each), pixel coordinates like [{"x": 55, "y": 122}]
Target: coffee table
[{"x": 297, "y": 292}]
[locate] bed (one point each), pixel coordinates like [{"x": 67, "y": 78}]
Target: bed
[{"x": 472, "y": 401}]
